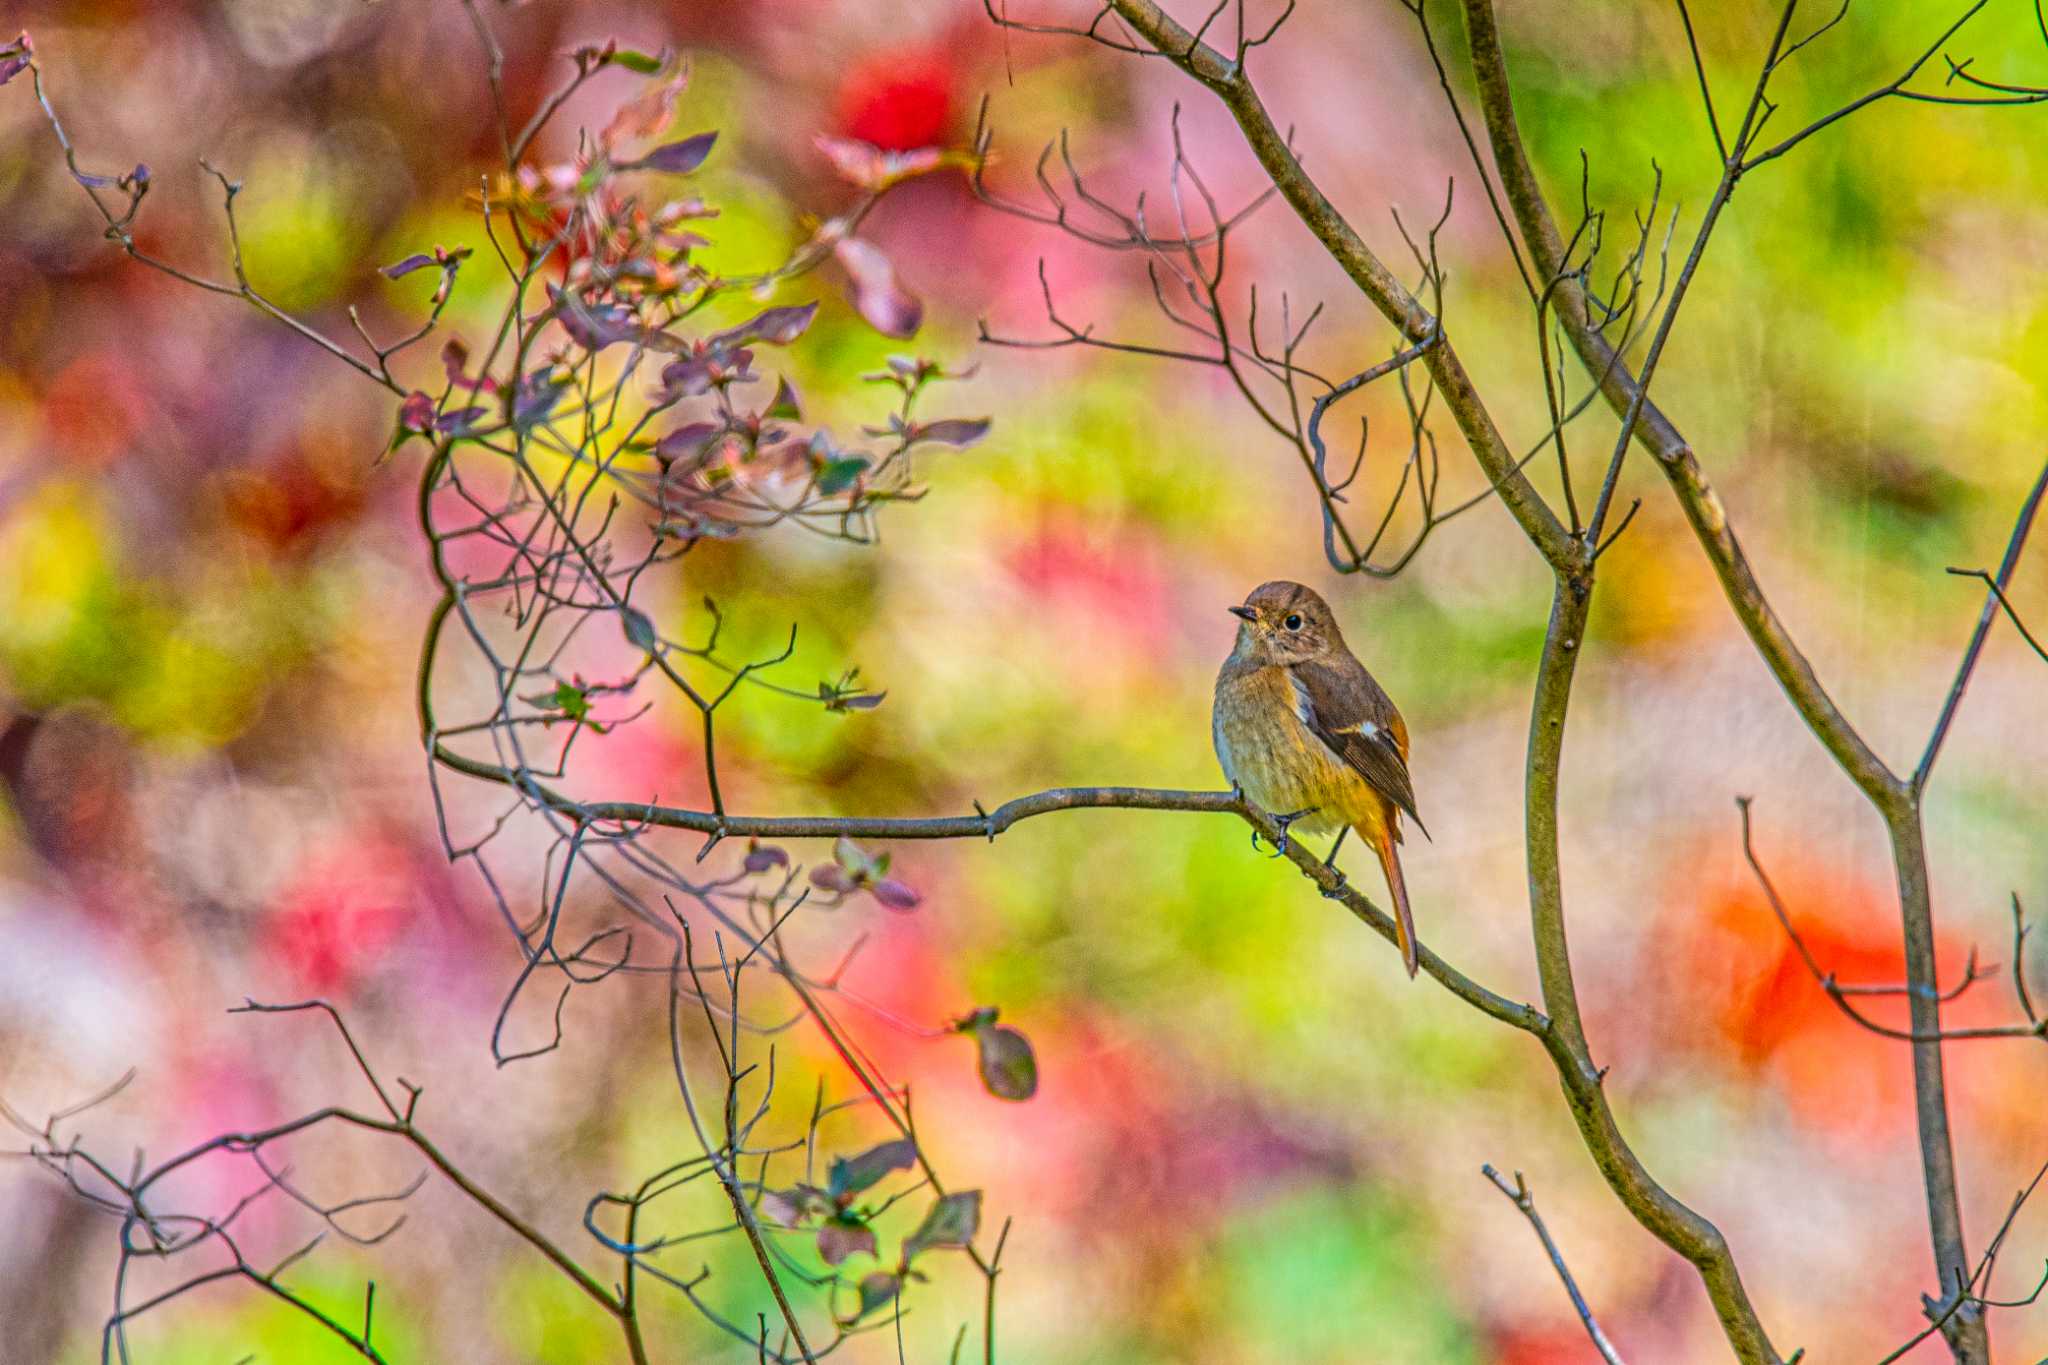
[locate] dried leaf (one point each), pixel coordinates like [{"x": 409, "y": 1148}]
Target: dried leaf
[
  {"x": 639, "y": 629},
  {"x": 839, "y": 1239},
  {"x": 792, "y": 1206},
  {"x": 881, "y": 301},
  {"x": 849, "y": 1176},
  {"x": 952, "y": 431},
  {"x": 952, "y": 1222},
  {"x": 784, "y": 405},
  {"x": 675, "y": 158},
  {"x": 779, "y": 326},
  {"x": 895, "y": 895},
  {"x": 593, "y": 326},
  {"x": 1008, "y": 1068},
  {"x": 761, "y": 857},
  {"x": 830, "y": 877},
  {"x": 877, "y": 1290},
  {"x": 537, "y": 396},
  {"x": 419, "y": 260},
  {"x": 416, "y": 413}
]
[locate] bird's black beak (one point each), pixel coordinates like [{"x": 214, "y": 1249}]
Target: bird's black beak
[{"x": 1244, "y": 613}]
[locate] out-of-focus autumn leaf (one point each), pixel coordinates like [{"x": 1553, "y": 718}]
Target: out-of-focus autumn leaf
[
  {"x": 646, "y": 114},
  {"x": 1009, "y": 1069},
  {"x": 416, "y": 413},
  {"x": 877, "y": 1290},
  {"x": 899, "y": 98},
  {"x": 950, "y": 1222},
  {"x": 639, "y": 629},
  {"x": 839, "y": 1238},
  {"x": 778, "y": 326},
  {"x": 761, "y": 857},
  {"x": 675, "y": 158},
  {"x": 15, "y": 57},
  {"x": 952, "y": 431},
  {"x": 851, "y": 1175},
  {"x": 878, "y": 297}
]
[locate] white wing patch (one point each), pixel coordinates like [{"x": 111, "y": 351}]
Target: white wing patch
[{"x": 1302, "y": 710}]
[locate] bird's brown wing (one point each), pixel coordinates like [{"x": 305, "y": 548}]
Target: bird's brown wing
[{"x": 1346, "y": 709}]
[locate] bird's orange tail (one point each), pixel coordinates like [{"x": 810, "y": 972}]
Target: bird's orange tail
[{"x": 1404, "y": 921}]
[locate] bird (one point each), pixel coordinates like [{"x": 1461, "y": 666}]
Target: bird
[{"x": 1304, "y": 732}]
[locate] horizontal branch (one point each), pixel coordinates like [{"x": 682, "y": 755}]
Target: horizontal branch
[{"x": 987, "y": 824}]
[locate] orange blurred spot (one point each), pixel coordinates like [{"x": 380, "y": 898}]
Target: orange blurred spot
[
  {"x": 1744, "y": 994},
  {"x": 288, "y": 503},
  {"x": 93, "y": 408}
]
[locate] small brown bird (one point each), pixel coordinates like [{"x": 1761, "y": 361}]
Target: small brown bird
[{"x": 1305, "y": 733}]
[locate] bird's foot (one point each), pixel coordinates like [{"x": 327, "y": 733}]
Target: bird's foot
[
  {"x": 1335, "y": 890},
  {"x": 1286, "y": 822}
]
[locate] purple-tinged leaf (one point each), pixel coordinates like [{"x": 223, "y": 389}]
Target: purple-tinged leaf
[
  {"x": 461, "y": 422},
  {"x": 675, "y": 158},
  {"x": 838, "y": 1239},
  {"x": 881, "y": 301},
  {"x": 687, "y": 442},
  {"x": 792, "y": 1206},
  {"x": 538, "y": 394},
  {"x": 952, "y": 1222},
  {"x": 761, "y": 857},
  {"x": 784, "y": 405},
  {"x": 686, "y": 378},
  {"x": 419, "y": 260},
  {"x": 15, "y": 57},
  {"x": 839, "y": 696},
  {"x": 593, "y": 326},
  {"x": 895, "y": 895},
  {"x": 454, "y": 364},
  {"x": 849, "y": 1175},
  {"x": 416, "y": 413},
  {"x": 778, "y": 326},
  {"x": 833, "y": 878},
  {"x": 872, "y": 168},
  {"x": 1008, "y": 1068},
  {"x": 952, "y": 431}
]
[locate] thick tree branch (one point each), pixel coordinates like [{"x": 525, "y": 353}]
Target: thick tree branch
[
  {"x": 1895, "y": 798},
  {"x": 1673, "y": 1222},
  {"x": 1654, "y": 430}
]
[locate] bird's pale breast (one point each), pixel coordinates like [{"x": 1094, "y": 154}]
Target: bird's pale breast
[{"x": 1282, "y": 767}]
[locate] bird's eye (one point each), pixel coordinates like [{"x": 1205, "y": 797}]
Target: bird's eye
[{"x": 1293, "y": 622}]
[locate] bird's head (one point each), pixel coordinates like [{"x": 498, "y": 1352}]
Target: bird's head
[{"x": 1285, "y": 623}]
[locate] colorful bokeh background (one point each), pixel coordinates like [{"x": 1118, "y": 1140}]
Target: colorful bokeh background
[{"x": 1255, "y": 1140}]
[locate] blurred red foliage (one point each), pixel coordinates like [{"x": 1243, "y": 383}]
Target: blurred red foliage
[
  {"x": 335, "y": 917},
  {"x": 1742, "y": 993},
  {"x": 899, "y": 99}
]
